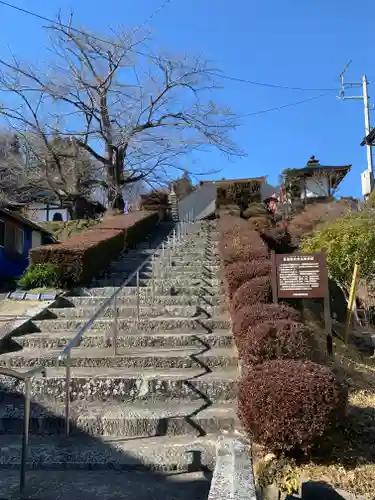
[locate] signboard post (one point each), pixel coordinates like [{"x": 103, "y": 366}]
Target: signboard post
[{"x": 302, "y": 276}]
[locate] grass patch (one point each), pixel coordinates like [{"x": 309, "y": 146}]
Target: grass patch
[{"x": 64, "y": 230}]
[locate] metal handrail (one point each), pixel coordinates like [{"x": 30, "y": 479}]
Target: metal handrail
[
  {"x": 25, "y": 377},
  {"x": 76, "y": 340},
  {"x": 182, "y": 229}
]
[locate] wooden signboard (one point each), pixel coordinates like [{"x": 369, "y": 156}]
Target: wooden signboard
[{"x": 302, "y": 276}]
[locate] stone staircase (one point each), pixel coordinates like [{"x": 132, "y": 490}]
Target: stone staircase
[{"x": 154, "y": 409}]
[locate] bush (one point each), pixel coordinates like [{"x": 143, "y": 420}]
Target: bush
[
  {"x": 135, "y": 225},
  {"x": 240, "y": 242},
  {"x": 249, "y": 316},
  {"x": 277, "y": 238},
  {"x": 40, "y": 276},
  {"x": 255, "y": 290},
  {"x": 282, "y": 339},
  {"x": 239, "y": 272},
  {"x": 255, "y": 210},
  {"x": 155, "y": 200},
  {"x": 307, "y": 221},
  {"x": 83, "y": 256},
  {"x": 260, "y": 223},
  {"x": 346, "y": 241},
  {"x": 289, "y": 404}
]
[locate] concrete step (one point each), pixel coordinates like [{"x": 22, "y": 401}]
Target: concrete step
[
  {"x": 126, "y": 384},
  {"x": 131, "y": 300},
  {"x": 173, "y": 273},
  {"x": 136, "y": 357},
  {"x": 146, "y": 291},
  {"x": 58, "y": 340},
  {"x": 128, "y": 325},
  {"x": 106, "y": 485},
  {"x": 131, "y": 311},
  {"x": 121, "y": 420},
  {"x": 122, "y": 266},
  {"x": 159, "y": 283},
  {"x": 163, "y": 453}
]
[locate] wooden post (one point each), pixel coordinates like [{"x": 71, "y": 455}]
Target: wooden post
[
  {"x": 328, "y": 322},
  {"x": 274, "y": 277},
  {"x": 351, "y": 302}
]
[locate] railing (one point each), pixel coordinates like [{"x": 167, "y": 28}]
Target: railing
[
  {"x": 179, "y": 232},
  {"x": 26, "y": 378}
]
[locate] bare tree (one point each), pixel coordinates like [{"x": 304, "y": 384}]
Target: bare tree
[
  {"x": 29, "y": 170},
  {"x": 135, "y": 115}
]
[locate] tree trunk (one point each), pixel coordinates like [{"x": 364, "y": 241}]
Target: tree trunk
[{"x": 115, "y": 172}]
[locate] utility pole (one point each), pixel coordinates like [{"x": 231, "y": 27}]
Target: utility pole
[{"x": 366, "y": 104}]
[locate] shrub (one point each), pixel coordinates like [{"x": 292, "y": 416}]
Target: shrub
[
  {"x": 40, "y": 276},
  {"x": 249, "y": 316},
  {"x": 239, "y": 242},
  {"x": 238, "y": 193},
  {"x": 135, "y": 225},
  {"x": 277, "y": 238},
  {"x": 346, "y": 241},
  {"x": 282, "y": 339},
  {"x": 255, "y": 210},
  {"x": 239, "y": 272},
  {"x": 255, "y": 290},
  {"x": 306, "y": 222},
  {"x": 260, "y": 223},
  {"x": 155, "y": 200},
  {"x": 289, "y": 404},
  {"x": 83, "y": 256}
]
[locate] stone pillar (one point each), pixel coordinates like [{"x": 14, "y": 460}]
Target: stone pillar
[{"x": 173, "y": 204}]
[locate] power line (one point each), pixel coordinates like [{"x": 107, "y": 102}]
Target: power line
[
  {"x": 219, "y": 75},
  {"x": 151, "y": 16},
  {"x": 271, "y": 85},
  {"x": 277, "y": 108}
]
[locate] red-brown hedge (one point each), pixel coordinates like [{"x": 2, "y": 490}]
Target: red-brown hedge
[
  {"x": 135, "y": 225},
  {"x": 86, "y": 254},
  {"x": 249, "y": 316},
  {"x": 251, "y": 292},
  {"x": 239, "y": 272},
  {"x": 289, "y": 404},
  {"x": 282, "y": 339}
]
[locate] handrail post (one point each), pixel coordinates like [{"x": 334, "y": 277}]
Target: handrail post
[
  {"x": 174, "y": 239},
  {"x": 163, "y": 250},
  {"x": 138, "y": 297},
  {"x": 25, "y": 437},
  {"x": 115, "y": 327},
  {"x": 67, "y": 393}
]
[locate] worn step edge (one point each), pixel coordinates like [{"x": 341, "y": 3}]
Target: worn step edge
[
  {"x": 156, "y": 453},
  {"x": 94, "y": 419},
  {"x": 217, "y": 338}
]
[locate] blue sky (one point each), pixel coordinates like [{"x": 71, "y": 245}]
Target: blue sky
[{"x": 291, "y": 43}]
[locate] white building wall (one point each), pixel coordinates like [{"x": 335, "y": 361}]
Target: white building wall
[
  {"x": 314, "y": 188},
  {"x": 36, "y": 240}
]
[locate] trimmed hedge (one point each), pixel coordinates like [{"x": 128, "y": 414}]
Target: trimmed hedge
[
  {"x": 238, "y": 273},
  {"x": 134, "y": 225},
  {"x": 289, "y": 404},
  {"x": 249, "y": 316},
  {"x": 240, "y": 242},
  {"x": 249, "y": 293},
  {"x": 280, "y": 339},
  {"x": 85, "y": 255},
  {"x": 82, "y": 256}
]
